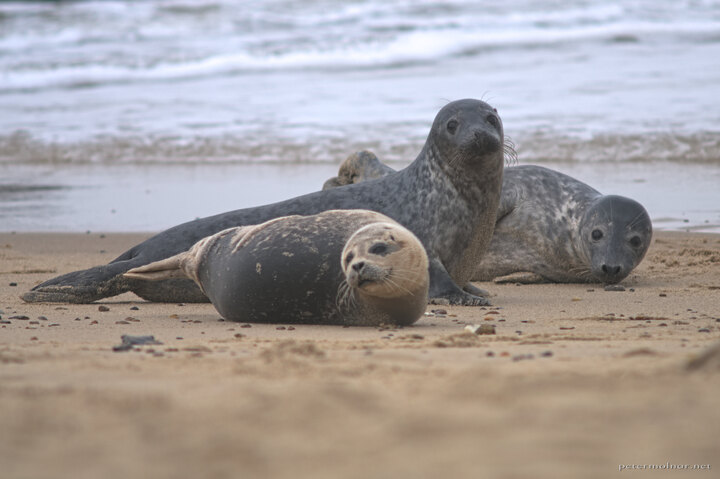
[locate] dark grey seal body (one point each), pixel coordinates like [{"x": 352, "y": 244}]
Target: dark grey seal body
[
  {"x": 548, "y": 224},
  {"x": 346, "y": 267},
  {"x": 447, "y": 197}
]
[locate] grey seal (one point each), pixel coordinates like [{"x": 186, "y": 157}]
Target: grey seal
[
  {"x": 448, "y": 198},
  {"x": 344, "y": 267},
  {"x": 549, "y": 224}
]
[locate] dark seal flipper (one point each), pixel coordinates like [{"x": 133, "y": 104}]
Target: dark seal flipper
[
  {"x": 444, "y": 291},
  {"x": 89, "y": 285},
  {"x": 83, "y": 286}
]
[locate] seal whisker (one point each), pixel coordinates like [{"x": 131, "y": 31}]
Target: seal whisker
[
  {"x": 510, "y": 153},
  {"x": 387, "y": 280}
]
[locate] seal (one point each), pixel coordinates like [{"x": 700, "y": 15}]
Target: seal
[
  {"x": 448, "y": 198},
  {"x": 548, "y": 224},
  {"x": 344, "y": 267}
]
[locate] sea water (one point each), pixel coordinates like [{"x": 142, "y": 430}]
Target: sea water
[{"x": 138, "y": 115}]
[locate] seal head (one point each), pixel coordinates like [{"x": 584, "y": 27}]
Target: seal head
[{"x": 615, "y": 234}]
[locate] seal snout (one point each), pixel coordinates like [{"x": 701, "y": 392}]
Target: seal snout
[
  {"x": 361, "y": 273},
  {"x": 612, "y": 273},
  {"x": 486, "y": 141}
]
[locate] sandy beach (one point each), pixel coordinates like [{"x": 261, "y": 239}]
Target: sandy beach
[{"x": 576, "y": 381}]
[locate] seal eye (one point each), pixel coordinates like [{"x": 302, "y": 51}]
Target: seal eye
[
  {"x": 349, "y": 258},
  {"x": 378, "y": 249},
  {"x": 452, "y": 126},
  {"x": 635, "y": 242},
  {"x": 597, "y": 235},
  {"x": 493, "y": 120}
]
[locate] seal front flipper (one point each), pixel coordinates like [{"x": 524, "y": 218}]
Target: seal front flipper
[
  {"x": 443, "y": 289},
  {"x": 83, "y": 286}
]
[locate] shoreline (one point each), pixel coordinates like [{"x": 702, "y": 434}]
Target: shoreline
[{"x": 576, "y": 379}]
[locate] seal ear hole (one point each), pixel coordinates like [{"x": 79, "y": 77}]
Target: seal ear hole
[
  {"x": 349, "y": 258},
  {"x": 635, "y": 242},
  {"x": 452, "y": 126},
  {"x": 596, "y": 235},
  {"x": 380, "y": 249}
]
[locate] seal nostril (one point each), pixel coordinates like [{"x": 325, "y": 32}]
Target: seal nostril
[
  {"x": 358, "y": 266},
  {"x": 612, "y": 270}
]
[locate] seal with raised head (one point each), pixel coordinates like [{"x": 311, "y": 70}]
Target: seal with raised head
[
  {"x": 347, "y": 267},
  {"x": 447, "y": 197},
  {"x": 549, "y": 224}
]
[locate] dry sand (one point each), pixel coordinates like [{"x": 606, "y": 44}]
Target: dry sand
[{"x": 575, "y": 382}]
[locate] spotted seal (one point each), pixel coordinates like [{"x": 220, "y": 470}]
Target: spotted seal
[
  {"x": 347, "y": 267},
  {"x": 447, "y": 197},
  {"x": 548, "y": 224}
]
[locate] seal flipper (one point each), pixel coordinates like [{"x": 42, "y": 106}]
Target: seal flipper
[
  {"x": 83, "y": 286},
  {"x": 443, "y": 289},
  {"x": 164, "y": 269}
]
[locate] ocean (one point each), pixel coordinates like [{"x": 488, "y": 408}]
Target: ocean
[{"x": 139, "y": 115}]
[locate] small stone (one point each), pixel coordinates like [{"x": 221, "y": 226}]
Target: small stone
[
  {"x": 663, "y": 295},
  {"x": 173, "y": 316},
  {"x": 42, "y": 318},
  {"x": 703, "y": 330},
  {"x": 122, "y": 322},
  {"x": 291, "y": 328},
  {"x": 20, "y": 317},
  {"x": 134, "y": 308},
  {"x": 439, "y": 311},
  {"x": 103, "y": 309},
  {"x": 13, "y": 284},
  {"x": 246, "y": 326},
  {"x": 490, "y": 354},
  {"x": 93, "y": 322},
  {"x": 481, "y": 328},
  {"x": 614, "y": 287},
  {"x": 34, "y": 338},
  {"x": 521, "y": 357},
  {"x": 546, "y": 354},
  {"x": 567, "y": 327},
  {"x": 239, "y": 335},
  {"x": 281, "y": 328}
]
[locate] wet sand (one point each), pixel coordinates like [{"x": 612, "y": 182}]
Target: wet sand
[{"x": 575, "y": 382}]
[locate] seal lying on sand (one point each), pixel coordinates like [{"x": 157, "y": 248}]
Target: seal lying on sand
[
  {"x": 447, "y": 197},
  {"x": 348, "y": 267},
  {"x": 548, "y": 224}
]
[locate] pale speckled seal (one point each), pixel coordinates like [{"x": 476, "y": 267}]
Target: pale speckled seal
[
  {"x": 549, "y": 224},
  {"x": 347, "y": 267},
  {"x": 447, "y": 197}
]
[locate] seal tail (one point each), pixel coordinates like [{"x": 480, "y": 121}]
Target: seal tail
[{"x": 168, "y": 268}]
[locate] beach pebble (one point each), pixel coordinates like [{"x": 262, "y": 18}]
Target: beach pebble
[
  {"x": 246, "y": 326},
  {"x": 134, "y": 308},
  {"x": 703, "y": 330},
  {"x": 614, "y": 287},
  {"x": 521, "y": 357},
  {"x": 103, "y": 309},
  {"x": 13, "y": 284},
  {"x": 481, "y": 328},
  {"x": 546, "y": 354},
  {"x": 20, "y": 317}
]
